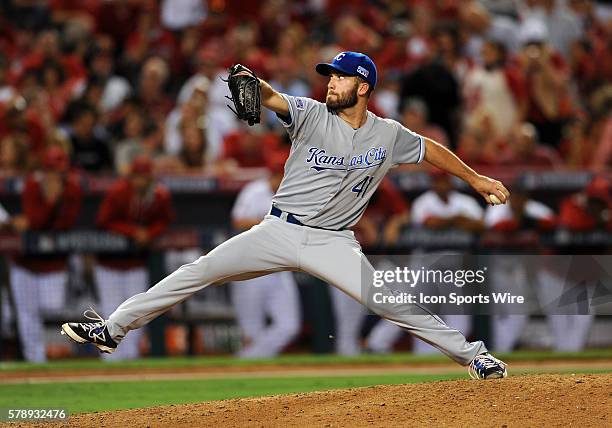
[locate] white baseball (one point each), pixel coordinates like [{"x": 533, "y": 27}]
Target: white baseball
[{"x": 495, "y": 199}]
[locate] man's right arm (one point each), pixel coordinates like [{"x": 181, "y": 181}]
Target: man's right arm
[{"x": 273, "y": 100}]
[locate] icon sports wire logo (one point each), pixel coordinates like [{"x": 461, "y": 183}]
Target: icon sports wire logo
[{"x": 412, "y": 277}]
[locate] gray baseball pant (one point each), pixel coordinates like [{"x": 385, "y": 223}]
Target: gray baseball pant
[{"x": 275, "y": 245}]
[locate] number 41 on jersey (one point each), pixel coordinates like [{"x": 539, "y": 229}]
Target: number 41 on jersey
[{"x": 361, "y": 187}]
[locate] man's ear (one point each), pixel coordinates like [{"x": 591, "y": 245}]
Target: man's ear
[{"x": 363, "y": 88}]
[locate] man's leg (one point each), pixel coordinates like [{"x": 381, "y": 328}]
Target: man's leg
[
  {"x": 336, "y": 258},
  {"x": 53, "y": 292},
  {"x": 110, "y": 285},
  {"x": 383, "y": 336},
  {"x": 348, "y": 315},
  {"x": 281, "y": 303},
  {"x": 26, "y": 294},
  {"x": 268, "y": 247},
  {"x": 248, "y": 300},
  {"x": 137, "y": 283},
  {"x": 114, "y": 286},
  {"x": 507, "y": 330},
  {"x": 569, "y": 321},
  {"x": 508, "y": 274}
]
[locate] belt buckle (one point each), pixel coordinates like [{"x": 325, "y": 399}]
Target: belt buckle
[{"x": 284, "y": 215}]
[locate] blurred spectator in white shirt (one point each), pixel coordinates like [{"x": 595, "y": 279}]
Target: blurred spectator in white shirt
[
  {"x": 179, "y": 14},
  {"x": 442, "y": 207},
  {"x": 495, "y": 93},
  {"x": 220, "y": 121},
  {"x": 193, "y": 109}
]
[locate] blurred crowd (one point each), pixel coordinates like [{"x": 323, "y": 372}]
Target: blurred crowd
[{"x": 507, "y": 82}]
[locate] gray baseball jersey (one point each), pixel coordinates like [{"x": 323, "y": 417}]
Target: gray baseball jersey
[{"x": 333, "y": 169}]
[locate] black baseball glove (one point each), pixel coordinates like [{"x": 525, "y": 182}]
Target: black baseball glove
[{"x": 246, "y": 94}]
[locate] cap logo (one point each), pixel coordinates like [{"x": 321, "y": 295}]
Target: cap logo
[
  {"x": 363, "y": 71},
  {"x": 340, "y": 56}
]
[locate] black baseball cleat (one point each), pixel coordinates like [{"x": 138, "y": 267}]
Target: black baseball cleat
[
  {"x": 95, "y": 333},
  {"x": 486, "y": 366}
]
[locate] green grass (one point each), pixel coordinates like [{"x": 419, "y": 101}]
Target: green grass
[
  {"x": 296, "y": 360},
  {"x": 90, "y": 397},
  {"x": 79, "y": 397}
]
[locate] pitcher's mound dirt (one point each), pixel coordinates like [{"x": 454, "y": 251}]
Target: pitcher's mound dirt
[{"x": 520, "y": 401}]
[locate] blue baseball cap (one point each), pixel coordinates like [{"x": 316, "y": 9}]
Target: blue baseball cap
[{"x": 352, "y": 64}]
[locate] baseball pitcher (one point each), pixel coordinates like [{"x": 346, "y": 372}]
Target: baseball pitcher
[{"x": 340, "y": 152}]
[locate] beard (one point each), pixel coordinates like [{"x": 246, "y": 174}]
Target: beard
[{"x": 348, "y": 100}]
